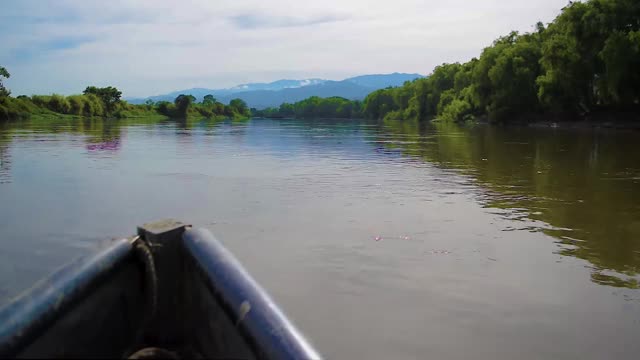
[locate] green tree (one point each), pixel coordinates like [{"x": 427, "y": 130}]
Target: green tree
[
  {"x": 93, "y": 105},
  {"x": 166, "y": 108},
  {"x": 109, "y": 95},
  {"x": 182, "y": 103},
  {"x": 379, "y": 103},
  {"x": 4, "y": 74},
  {"x": 620, "y": 82},
  {"x": 287, "y": 110},
  {"x": 77, "y": 104},
  {"x": 239, "y": 107},
  {"x": 209, "y": 100},
  {"x": 585, "y": 52},
  {"x": 513, "y": 78},
  {"x": 59, "y": 104},
  {"x": 315, "y": 107},
  {"x": 561, "y": 83}
]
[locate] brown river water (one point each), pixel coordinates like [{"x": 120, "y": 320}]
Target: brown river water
[{"x": 388, "y": 240}]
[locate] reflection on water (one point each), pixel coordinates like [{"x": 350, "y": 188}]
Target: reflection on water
[
  {"x": 445, "y": 240},
  {"x": 583, "y": 185},
  {"x": 5, "y": 159}
]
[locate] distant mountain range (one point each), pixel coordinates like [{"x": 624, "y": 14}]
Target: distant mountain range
[{"x": 262, "y": 95}]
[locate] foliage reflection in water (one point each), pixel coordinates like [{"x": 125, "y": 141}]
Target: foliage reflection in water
[{"x": 581, "y": 186}]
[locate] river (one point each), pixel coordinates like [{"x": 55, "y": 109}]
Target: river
[{"x": 383, "y": 240}]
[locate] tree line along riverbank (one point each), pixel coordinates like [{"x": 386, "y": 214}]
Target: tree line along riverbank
[{"x": 585, "y": 64}]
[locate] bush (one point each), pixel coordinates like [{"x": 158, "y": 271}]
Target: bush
[
  {"x": 12, "y": 109},
  {"x": 93, "y": 105},
  {"x": 206, "y": 112},
  {"x": 393, "y": 115},
  {"x": 40, "y": 100},
  {"x": 166, "y": 108},
  {"x": 457, "y": 110},
  {"x": 59, "y": 104},
  {"x": 77, "y": 103}
]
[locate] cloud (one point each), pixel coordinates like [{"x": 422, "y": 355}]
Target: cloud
[
  {"x": 46, "y": 47},
  {"x": 256, "y": 21},
  {"x": 148, "y": 47}
]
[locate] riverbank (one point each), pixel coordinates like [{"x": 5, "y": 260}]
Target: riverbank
[
  {"x": 56, "y": 106},
  {"x": 598, "y": 119},
  {"x": 573, "y": 64},
  {"x": 587, "y": 124}
]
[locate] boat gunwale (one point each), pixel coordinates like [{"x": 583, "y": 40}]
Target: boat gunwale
[{"x": 30, "y": 314}]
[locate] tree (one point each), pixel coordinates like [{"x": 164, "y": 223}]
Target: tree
[
  {"x": 166, "y": 108},
  {"x": 183, "y": 102},
  {"x": 218, "y": 108},
  {"x": 512, "y": 78},
  {"x": 149, "y": 104},
  {"x": 379, "y": 103},
  {"x": 110, "y": 96},
  {"x": 239, "y": 107},
  {"x": 620, "y": 82},
  {"x": 587, "y": 57},
  {"x": 287, "y": 110},
  {"x": 4, "y": 74},
  {"x": 209, "y": 100}
]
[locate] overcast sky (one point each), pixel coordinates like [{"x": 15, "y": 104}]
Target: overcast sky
[{"x": 149, "y": 47}]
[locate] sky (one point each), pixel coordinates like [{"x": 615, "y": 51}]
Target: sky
[{"x": 151, "y": 47}]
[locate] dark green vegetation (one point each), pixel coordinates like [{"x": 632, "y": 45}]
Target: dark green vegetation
[
  {"x": 586, "y": 61},
  {"x": 106, "y": 102},
  {"x": 93, "y": 102},
  {"x": 315, "y": 107},
  {"x": 186, "y": 105}
]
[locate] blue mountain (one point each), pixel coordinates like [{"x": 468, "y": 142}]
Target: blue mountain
[
  {"x": 261, "y": 95},
  {"x": 381, "y": 81}
]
